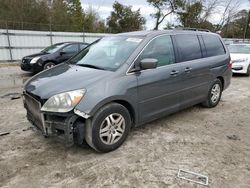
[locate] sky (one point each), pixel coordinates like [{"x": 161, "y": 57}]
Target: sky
[{"x": 104, "y": 7}]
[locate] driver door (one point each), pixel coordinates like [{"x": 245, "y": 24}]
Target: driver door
[{"x": 159, "y": 89}]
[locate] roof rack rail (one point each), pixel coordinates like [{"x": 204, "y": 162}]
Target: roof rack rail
[{"x": 192, "y": 29}]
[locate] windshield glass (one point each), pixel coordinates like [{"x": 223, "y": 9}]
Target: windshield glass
[
  {"x": 109, "y": 53},
  {"x": 240, "y": 49},
  {"x": 53, "y": 48}
]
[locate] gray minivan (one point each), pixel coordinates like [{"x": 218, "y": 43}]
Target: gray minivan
[{"x": 126, "y": 80}]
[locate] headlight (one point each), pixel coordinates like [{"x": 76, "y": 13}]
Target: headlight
[
  {"x": 63, "y": 102},
  {"x": 34, "y": 60}
]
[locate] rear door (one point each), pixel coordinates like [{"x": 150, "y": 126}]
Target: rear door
[
  {"x": 196, "y": 77},
  {"x": 159, "y": 89}
]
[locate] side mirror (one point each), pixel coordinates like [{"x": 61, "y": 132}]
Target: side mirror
[
  {"x": 62, "y": 53},
  {"x": 148, "y": 63}
]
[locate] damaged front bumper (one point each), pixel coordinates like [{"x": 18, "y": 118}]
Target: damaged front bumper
[{"x": 67, "y": 128}]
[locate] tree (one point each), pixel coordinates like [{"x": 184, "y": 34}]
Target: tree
[
  {"x": 163, "y": 9},
  {"x": 123, "y": 19},
  {"x": 93, "y": 22},
  {"x": 59, "y": 15},
  {"x": 76, "y": 14},
  {"x": 194, "y": 15},
  {"x": 229, "y": 9},
  {"x": 238, "y": 26}
]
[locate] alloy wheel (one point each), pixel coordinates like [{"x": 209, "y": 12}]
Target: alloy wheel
[
  {"x": 112, "y": 128},
  {"x": 49, "y": 65},
  {"x": 215, "y": 93}
]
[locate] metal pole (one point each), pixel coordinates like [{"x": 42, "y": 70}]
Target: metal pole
[
  {"x": 8, "y": 39},
  {"x": 83, "y": 34},
  {"x": 51, "y": 40}
]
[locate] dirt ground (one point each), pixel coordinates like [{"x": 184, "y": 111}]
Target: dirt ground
[{"x": 214, "y": 142}]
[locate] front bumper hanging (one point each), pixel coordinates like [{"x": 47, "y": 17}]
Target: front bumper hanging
[{"x": 66, "y": 128}]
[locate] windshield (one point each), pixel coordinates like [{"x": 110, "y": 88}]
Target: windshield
[
  {"x": 53, "y": 48},
  {"x": 239, "y": 49},
  {"x": 109, "y": 53}
]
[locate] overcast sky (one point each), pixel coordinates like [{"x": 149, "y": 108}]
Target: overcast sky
[{"x": 104, "y": 7}]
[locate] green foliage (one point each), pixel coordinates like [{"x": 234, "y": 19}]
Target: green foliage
[
  {"x": 191, "y": 16},
  {"x": 76, "y": 14},
  {"x": 163, "y": 9},
  {"x": 123, "y": 19},
  {"x": 55, "y": 15},
  {"x": 239, "y": 26}
]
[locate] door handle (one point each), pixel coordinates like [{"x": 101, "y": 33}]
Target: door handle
[
  {"x": 188, "y": 69},
  {"x": 174, "y": 72}
]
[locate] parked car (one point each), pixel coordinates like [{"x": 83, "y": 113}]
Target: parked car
[
  {"x": 240, "y": 54},
  {"x": 51, "y": 56},
  {"x": 126, "y": 80}
]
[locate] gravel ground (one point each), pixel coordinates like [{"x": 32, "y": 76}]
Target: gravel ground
[{"x": 214, "y": 142}]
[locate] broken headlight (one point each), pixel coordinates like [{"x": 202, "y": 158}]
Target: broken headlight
[{"x": 63, "y": 102}]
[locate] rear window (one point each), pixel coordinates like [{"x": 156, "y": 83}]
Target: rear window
[
  {"x": 213, "y": 45},
  {"x": 189, "y": 47}
]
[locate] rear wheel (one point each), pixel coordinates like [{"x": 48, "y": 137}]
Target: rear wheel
[
  {"x": 48, "y": 65},
  {"x": 109, "y": 128},
  {"x": 214, "y": 95}
]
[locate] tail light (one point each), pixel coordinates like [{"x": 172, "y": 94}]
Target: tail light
[{"x": 230, "y": 64}]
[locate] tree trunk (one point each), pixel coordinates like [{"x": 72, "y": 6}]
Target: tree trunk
[{"x": 247, "y": 25}]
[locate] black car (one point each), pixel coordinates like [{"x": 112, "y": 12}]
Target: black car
[{"x": 51, "y": 56}]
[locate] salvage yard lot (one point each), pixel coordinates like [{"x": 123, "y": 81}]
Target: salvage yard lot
[{"x": 214, "y": 142}]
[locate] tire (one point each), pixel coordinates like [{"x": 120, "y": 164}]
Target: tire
[
  {"x": 48, "y": 65},
  {"x": 109, "y": 128},
  {"x": 248, "y": 71},
  {"x": 214, "y": 94}
]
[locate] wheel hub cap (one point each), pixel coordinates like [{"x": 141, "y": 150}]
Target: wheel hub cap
[
  {"x": 215, "y": 93},
  {"x": 112, "y": 128}
]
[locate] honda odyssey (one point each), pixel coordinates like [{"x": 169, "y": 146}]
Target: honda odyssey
[{"x": 126, "y": 80}]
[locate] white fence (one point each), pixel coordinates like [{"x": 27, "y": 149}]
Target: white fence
[{"x": 15, "y": 44}]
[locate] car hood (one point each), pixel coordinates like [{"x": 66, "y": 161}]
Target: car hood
[
  {"x": 237, "y": 56},
  {"x": 35, "y": 55},
  {"x": 62, "y": 78}
]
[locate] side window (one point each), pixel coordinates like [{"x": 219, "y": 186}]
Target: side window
[
  {"x": 160, "y": 48},
  {"x": 72, "y": 48},
  {"x": 213, "y": 45},
  {"x": 82, "y": 46},
  {"x": 188, "y": 46}
]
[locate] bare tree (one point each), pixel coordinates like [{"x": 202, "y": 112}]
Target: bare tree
[
  {"x": 209, "y": 7},
  {"x": 229, "y": 10},
  {"x": 163, "y": 9}
]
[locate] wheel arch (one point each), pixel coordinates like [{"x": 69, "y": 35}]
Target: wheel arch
[
  {"x": 222, "y": 81},
  {"x": 128, "y": 105}
]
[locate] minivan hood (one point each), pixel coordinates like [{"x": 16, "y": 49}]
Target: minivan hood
[{"x": 62, "y": 78}]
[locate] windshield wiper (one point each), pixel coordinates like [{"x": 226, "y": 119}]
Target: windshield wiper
[{"x": 90, "y": 66}]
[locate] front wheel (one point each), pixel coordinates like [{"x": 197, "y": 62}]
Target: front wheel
[
  {"x": 109, "y": 128},
  {"x": 48, "y": 65},
  {"x": 214, "y": 95}
]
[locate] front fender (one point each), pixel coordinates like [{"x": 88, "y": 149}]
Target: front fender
[{"x": 115, "y": 89}]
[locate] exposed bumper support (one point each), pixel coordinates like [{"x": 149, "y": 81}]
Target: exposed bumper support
[{"x": 82, "y": 114}]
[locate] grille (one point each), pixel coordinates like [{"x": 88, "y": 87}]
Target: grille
[
  {"x": 26, "y": 61},
  {"x": 33, "y": 111}
]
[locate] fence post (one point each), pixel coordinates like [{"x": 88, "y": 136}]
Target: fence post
[
  {"x": 8, "y": 39},
  {"x": 83, "y": 35},
  {"x": 51, "y": 40}
]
